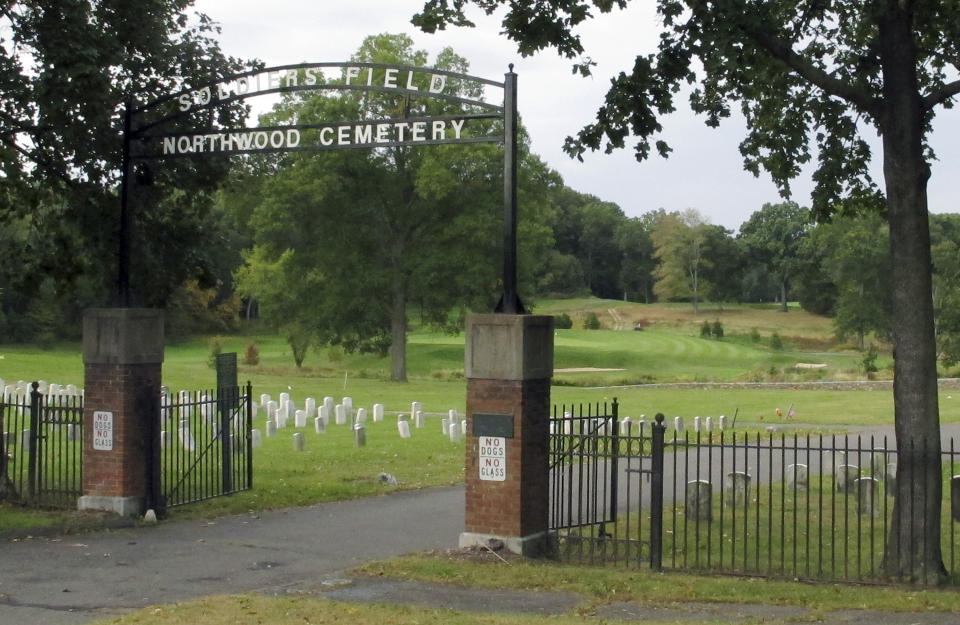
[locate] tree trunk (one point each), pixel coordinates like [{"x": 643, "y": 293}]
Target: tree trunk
[
  {"x": 398, "y": 333},
  {"x": 913, "y": 546},
  {"x": 783, "y": 296}
]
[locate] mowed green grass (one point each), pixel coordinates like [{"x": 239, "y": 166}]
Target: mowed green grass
[{"x": 664, "y": 352}]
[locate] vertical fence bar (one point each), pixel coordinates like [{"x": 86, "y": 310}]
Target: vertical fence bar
[
  {"x": 733, "y": 509},
  {"x": 783, "y": 502},
  {"x": 951, "y": 520},
  {"x": 720, "y": 531},
  {"x": 226, "y": 404},
  {"x": 656, "y": 494},
  {"x": 614, "y": 455},
  {"x": 673, "y": 542},
  {"x": 757, "y": 515},
  {"x": 33, "y": 445},
  {"x": 710, "y": 479},
  {"x": 248, "y": 431}
]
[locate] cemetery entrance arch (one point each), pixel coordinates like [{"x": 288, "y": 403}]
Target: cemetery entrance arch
[{"x": 148, "y": 135}]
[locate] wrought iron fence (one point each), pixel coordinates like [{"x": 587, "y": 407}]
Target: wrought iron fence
[
  {"x": 206, "y": 447},
  {"x": 42, "y": 446},
  {"x": 804, "y": 506}
]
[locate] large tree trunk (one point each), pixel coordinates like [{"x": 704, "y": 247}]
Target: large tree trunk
[
  {"x": 398, "y": 333},
  {"x": 783, "y": 296},
  {"x": 913, "y": 546}
]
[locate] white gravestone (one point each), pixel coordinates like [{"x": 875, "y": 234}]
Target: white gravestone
[
  {"x": 890, "y": 479},
  {"x": 846, "y": 475},
  {"x": 341, "y": 414},
  {"x": 878, "y": 462},
  {"x": 797, "y": 476},
  {"x": 404, "y": 428},
  {"x": 255, "y": 439},
  {"x": 377, "y": 413},
  {"x": 299, "y": 444},
  {"x": 737, "y": 488},
  {"x": 186, "y": 438},
  {"x": 320, "y": 425},
  {"x": 868, "y": 491},
  {"x": 698, "y": 505}
]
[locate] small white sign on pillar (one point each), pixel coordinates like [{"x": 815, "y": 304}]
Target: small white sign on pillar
[
  {"x": 493, "y": 458},
  {"x": 103, "y": 430}
]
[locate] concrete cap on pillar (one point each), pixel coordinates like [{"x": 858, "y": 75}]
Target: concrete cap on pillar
[{"x": 509, "y": 347}]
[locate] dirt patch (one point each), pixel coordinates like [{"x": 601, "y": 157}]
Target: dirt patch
[
  {"x": 367, "y": 589},
  {"x": 585, "y": 370}
]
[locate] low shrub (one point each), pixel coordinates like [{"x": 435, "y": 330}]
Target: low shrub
[{"x": 592, "y": 322}]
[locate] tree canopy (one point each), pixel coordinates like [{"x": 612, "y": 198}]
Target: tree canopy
[
  {"x": 68, "y": 70},
  {"x": 381, "y": 233}
]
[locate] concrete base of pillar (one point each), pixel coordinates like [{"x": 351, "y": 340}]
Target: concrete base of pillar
[
  {"x": 123, "y": 506},
  {"x": 538, "y": 545}
]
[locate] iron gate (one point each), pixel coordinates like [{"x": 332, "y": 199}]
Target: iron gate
[
  {"x": 601, "y": 509},
  {"x": 206, "y": 447},
  {"x": 41, "y": 447}
]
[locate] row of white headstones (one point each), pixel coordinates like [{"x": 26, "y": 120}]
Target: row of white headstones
[
  {"x": 19, "y": 391},
  {"x": 281, "y": 411}
]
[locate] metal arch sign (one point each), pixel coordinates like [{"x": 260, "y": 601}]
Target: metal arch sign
[
  {"x": 405, "y": 81},
  {"x": 147, "y": 140}
]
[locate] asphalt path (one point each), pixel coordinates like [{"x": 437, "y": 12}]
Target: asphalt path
[{"x": 65, "y": 580}]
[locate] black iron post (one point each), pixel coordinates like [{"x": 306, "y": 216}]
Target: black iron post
[
  {"x": 510, "y": 303},
  {"x": 614, "y": 453},
  {"x": 33, "y": 445},
  {"x": 127, "y": 180},
  {"x": 248, "y": 432},
  {"x": 656, "y": 495}
]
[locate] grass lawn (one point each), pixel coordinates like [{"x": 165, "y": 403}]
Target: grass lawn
[
  {"x": 595, "y": 586},
  {"x": 669, "y": 350},
  {"x": 333, "y": 468}
]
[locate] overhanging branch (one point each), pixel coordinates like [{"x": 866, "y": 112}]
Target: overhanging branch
[
  {"x": 941, "y": 95},
  {"x": 782, "y": 51}
]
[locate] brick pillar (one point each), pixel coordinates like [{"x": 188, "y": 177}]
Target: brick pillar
[
  {"x": 509, "y": 364},
  {"x": 123, "y": 356}
]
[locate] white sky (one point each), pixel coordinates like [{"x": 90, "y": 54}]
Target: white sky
[{"x": 703, "y": 172}]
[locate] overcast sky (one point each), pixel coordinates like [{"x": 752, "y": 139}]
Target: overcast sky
[{"x": 704, "y": 172}]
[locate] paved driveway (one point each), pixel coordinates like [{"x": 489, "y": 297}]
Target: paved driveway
[{"x": 75, "y": 579}]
